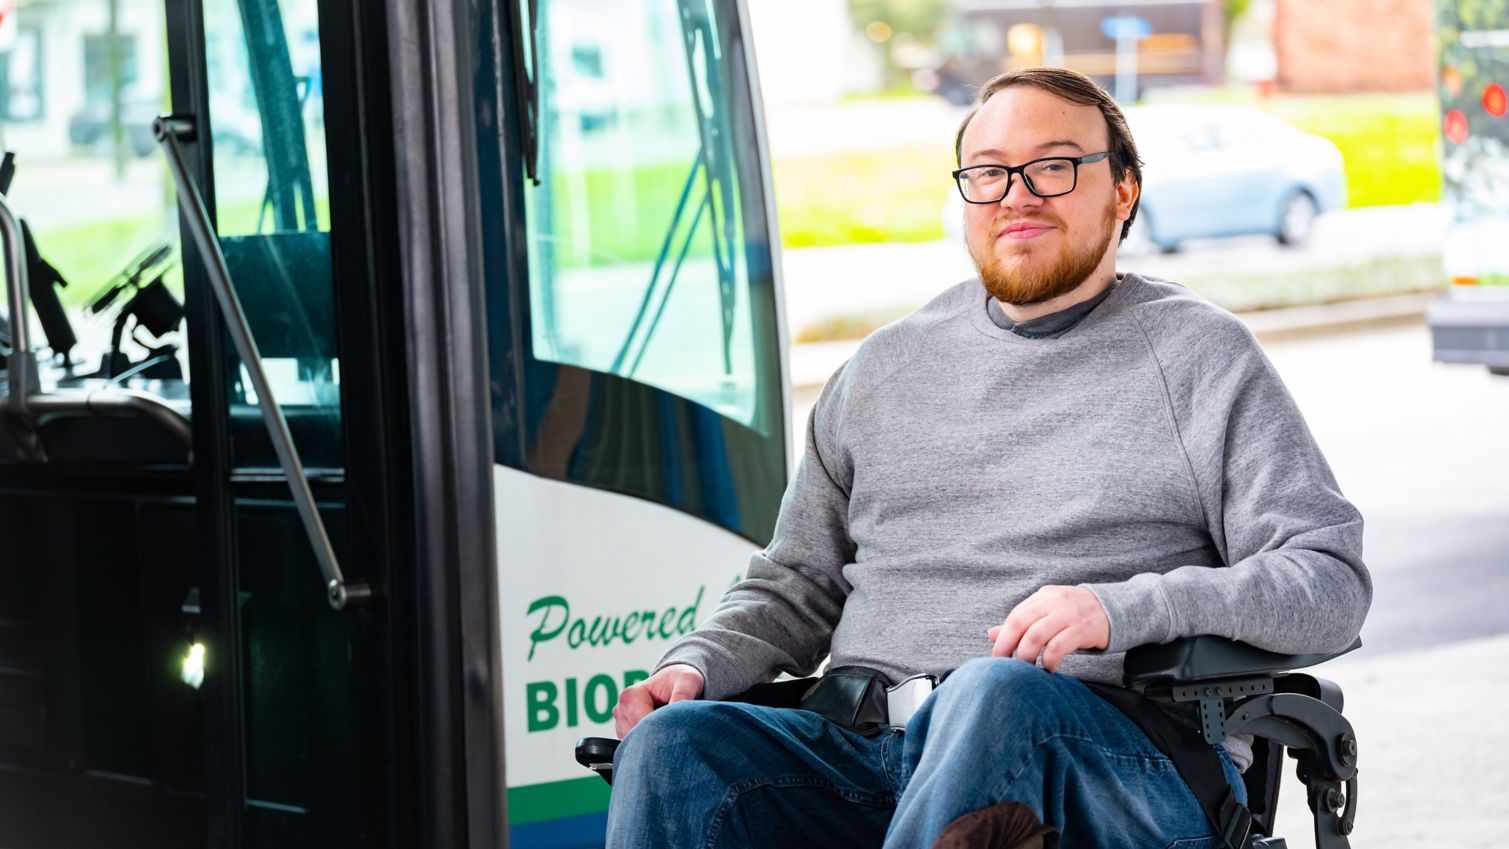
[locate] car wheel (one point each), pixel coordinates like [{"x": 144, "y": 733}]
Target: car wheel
[{"x": 1297, "y": 219}]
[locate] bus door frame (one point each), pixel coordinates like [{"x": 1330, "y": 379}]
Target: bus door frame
[{"x": 418, "y": 500}]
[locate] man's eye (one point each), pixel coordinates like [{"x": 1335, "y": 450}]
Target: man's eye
[
  {"x": 1054, "y": 167},
  {"x": 990, "y": 173}
]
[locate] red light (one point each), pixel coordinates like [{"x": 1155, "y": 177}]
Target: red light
[
  {"x": 1495, "y": 101},
  {"x": 1456, "y": 126}
]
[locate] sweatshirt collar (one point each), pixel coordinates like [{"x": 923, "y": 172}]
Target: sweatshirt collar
[
  {"x": 984, "y": 319},
  {"x": 1048, "y": 326}
]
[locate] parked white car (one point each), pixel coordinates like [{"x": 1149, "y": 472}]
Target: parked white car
[
  {"x": 1212, "y": 170},
  {"x": 1223, "y": 170}
]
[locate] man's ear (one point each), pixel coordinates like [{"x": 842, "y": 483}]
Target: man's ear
[{"x": 1127, "y": 193}]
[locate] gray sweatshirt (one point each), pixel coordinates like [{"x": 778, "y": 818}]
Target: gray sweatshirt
[{"x": 952, "y": 468}]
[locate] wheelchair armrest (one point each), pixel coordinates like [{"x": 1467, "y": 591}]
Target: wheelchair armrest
[{"x": 1206, "y": 657}]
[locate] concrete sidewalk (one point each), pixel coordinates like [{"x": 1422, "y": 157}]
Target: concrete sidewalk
[{"x": 1432, "y": 748}]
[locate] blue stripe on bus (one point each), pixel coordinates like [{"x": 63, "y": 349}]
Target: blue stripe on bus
[{"x": 580, "y": 832}]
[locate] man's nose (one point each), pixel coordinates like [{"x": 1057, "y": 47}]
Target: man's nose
[{"x": 1017, "y": 194}]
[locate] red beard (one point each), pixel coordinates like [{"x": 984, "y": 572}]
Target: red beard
[{"x": 1034, "y": 286}]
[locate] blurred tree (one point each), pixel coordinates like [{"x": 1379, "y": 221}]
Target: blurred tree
[
  {"x": 114, "y": 60},
  {"x": 1234, "y": 10},
  {"x": 889, "y": 23}
]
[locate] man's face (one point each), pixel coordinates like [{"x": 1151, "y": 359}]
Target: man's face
[{"x": 1030, "y": 249}]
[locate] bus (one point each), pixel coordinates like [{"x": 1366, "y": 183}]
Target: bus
[
  {"x": 1470, "y": 324},
  {"x": 368, "y": 430}
]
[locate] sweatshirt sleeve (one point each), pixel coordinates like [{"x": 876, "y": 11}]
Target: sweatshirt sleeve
[
  {"x": 1293, "y": 580},
  {"x": 781, "y": 617}
]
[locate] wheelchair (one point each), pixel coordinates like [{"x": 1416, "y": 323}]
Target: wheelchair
[{"x": 1237, "y": 688}]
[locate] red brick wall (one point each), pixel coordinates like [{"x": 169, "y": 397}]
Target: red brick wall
[{"x": 1354, "y": 45}]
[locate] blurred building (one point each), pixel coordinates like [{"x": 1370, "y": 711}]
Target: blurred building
[
  {"x": 56, "y": 80},
  {"x": 1354, "y": 45},
  {"x": 1165, "y": 42}
]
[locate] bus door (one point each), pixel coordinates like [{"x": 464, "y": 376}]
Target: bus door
[
  {"x": 509, "y": 271},
  {"x": 279, "y": 157},
  {"x": 636, "y": 344},
  {"x": 174, "y": 670}
]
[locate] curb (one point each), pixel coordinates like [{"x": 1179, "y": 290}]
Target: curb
[
  {"x": 812, "y": 363},
  {"x": 1340, "y": 317}
]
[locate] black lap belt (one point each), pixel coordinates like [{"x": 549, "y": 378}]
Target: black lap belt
[
  {"x": 858, "y": 698},
  {"x": 1196, "y": 761},
  {"x": 851, "y": 696}
]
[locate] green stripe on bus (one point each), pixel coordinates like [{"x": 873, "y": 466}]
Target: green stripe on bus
[{"x": 555, "y": 799}]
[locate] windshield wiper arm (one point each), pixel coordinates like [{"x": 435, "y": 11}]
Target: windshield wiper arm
[{"x": 526, "y": 77}]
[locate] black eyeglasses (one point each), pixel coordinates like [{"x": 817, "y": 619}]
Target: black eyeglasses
[{"x": 1046, "y": 178}]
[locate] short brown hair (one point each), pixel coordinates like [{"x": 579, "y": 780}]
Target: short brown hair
[{"x": 1075, "y": 88}]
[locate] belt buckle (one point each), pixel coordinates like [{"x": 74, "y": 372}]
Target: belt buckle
[{"x": 905, "y": 698}]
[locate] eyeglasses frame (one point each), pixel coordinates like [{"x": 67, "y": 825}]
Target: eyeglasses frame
[{"x": 1012, "y": 170}]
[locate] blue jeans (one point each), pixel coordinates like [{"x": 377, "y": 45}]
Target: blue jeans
[{"x": 724, "y": 774}]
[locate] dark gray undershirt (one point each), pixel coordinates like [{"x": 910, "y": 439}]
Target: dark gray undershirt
[{"x": 1048, "y": 326}]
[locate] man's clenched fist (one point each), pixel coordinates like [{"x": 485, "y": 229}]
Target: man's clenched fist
[{"x": 671, "y": 684}]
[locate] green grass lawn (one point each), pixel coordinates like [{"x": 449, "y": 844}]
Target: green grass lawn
[
  {"x": 599, "y": 216},
  {"x": 1391, "y": 143},
  {"x": 88, "y": 255},
  {"x": 861, "y": 197}
]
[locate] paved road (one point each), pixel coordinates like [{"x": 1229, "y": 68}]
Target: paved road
[{"x": 1423, "y": 450}]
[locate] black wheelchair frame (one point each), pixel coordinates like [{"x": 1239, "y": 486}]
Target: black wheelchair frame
[{"x": 1238, "y": 689}]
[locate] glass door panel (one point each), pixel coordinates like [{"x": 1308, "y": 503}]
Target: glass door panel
[
  {"x": 266, "y": 128},
  {"x": 80, "y": 84},
  {"x": 296, "y": 656}
]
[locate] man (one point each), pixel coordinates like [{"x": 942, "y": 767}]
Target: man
[{"x": 1050, "y": 464}]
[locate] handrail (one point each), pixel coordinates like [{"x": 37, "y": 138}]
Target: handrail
[
  {"x": 21, "y": 367},
  {"x": 169, "y": 129}
]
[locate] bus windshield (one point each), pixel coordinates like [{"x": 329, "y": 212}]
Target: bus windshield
[{"x": 638, "y": 255}]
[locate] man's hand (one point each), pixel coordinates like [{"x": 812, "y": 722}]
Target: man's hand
[
  {"x": 671, "y": 684},
  {"x": 1053, "y": 622}
]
